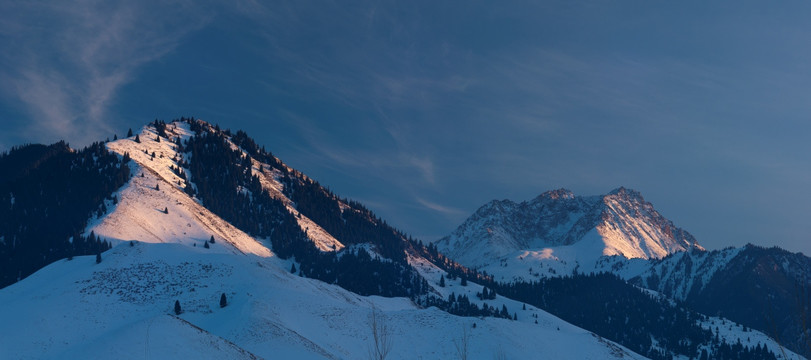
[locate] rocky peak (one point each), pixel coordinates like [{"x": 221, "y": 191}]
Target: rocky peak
[
  {"x": 555, "y": 195},
  {"x": 626, "y": 194}
]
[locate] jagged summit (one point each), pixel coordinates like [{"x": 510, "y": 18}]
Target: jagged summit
[
  {"x": 556, "y": 194},
  {"x": 618, "y": 223},
  {"x": 623, "y": 191}
]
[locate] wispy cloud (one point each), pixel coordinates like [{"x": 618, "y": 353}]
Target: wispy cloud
[
  {"x": 445, "y": 210},
  {"x": 65, "y": 62}
]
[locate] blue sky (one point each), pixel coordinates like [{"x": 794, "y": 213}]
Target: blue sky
[{"x": 426, "y": 111}]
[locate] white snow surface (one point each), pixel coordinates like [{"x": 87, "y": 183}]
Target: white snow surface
[{"x": 123, "y": 307}]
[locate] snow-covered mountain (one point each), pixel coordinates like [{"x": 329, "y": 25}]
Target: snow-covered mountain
[
  {"x": 122, "y": 307},
  {"x": 306, "y": 274},
  {"x": 762, "y": 288},
  {"x": 558, "y": 233}
]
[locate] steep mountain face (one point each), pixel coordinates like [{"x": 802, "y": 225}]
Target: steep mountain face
[
  {"x": 563, "y": 232},
  {"x": 765, "y": 289}
]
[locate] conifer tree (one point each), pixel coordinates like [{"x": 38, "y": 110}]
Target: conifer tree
[
  {"x": 212, "y": 239},
  {"x": 129, "y": 132},
  {"x": 293, "y": 269},
  {"x": 115, "y": 137},
  {"x": 464, "y": 281},
  {"x": 178, "y": 310},
  {"x": 441, "y": 281},
  {"x": 158, "y": 138},
  {"x": 205, "y": 245},
  {"x": 223, "y": 300},
  {"x": 137, "y": 139},
  {"x": 166, "y": 210},
  {"x": 98, "y": 257}
]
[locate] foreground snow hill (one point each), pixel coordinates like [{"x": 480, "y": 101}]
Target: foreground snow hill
[
  {"x": 123, "y": 306},
  {"x": 558, "y": 233}
]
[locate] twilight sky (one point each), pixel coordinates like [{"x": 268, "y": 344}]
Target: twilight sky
[{"x": 425, "y": 110}]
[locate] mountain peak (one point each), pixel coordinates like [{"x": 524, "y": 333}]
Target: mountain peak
[
  {"x": 588, "y": 227},
  {"x": 556, "y": 194},
  {"x": 624, "y": 192}
]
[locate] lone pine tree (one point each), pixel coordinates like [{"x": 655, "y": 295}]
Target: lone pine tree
[
  {"x": 178, "y": 310},
  {"x": 223, "y": 300}
]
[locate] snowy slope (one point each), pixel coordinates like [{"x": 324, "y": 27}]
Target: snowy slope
[
  {"x": 139, "y": 212},
  {"x": 682, "y": 273},
  {"x": 558, "y": 233},
  {"x": 122, "y": 308}
]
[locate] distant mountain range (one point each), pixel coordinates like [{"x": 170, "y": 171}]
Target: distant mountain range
[
  {"x": 187, "y": 240},
  {"x": 560, "y": 234}
]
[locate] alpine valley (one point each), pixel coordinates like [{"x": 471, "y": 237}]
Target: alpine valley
[{"x": 185, "y": 240}]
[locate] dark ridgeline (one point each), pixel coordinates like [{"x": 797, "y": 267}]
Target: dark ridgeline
[
  {"x": 47, "y": 195},
  {"x": 225, "y": 184},
  {"x": 771, "y": 288}
]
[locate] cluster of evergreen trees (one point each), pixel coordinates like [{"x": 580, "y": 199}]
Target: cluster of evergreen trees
[
  {"x": 226, "y": 185},
  {"x": 352, "y": 225},
  {"x": 47, "y": 194},
  {"x": 461, "y": 305},
  {"x": 608, "y": 306}
]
